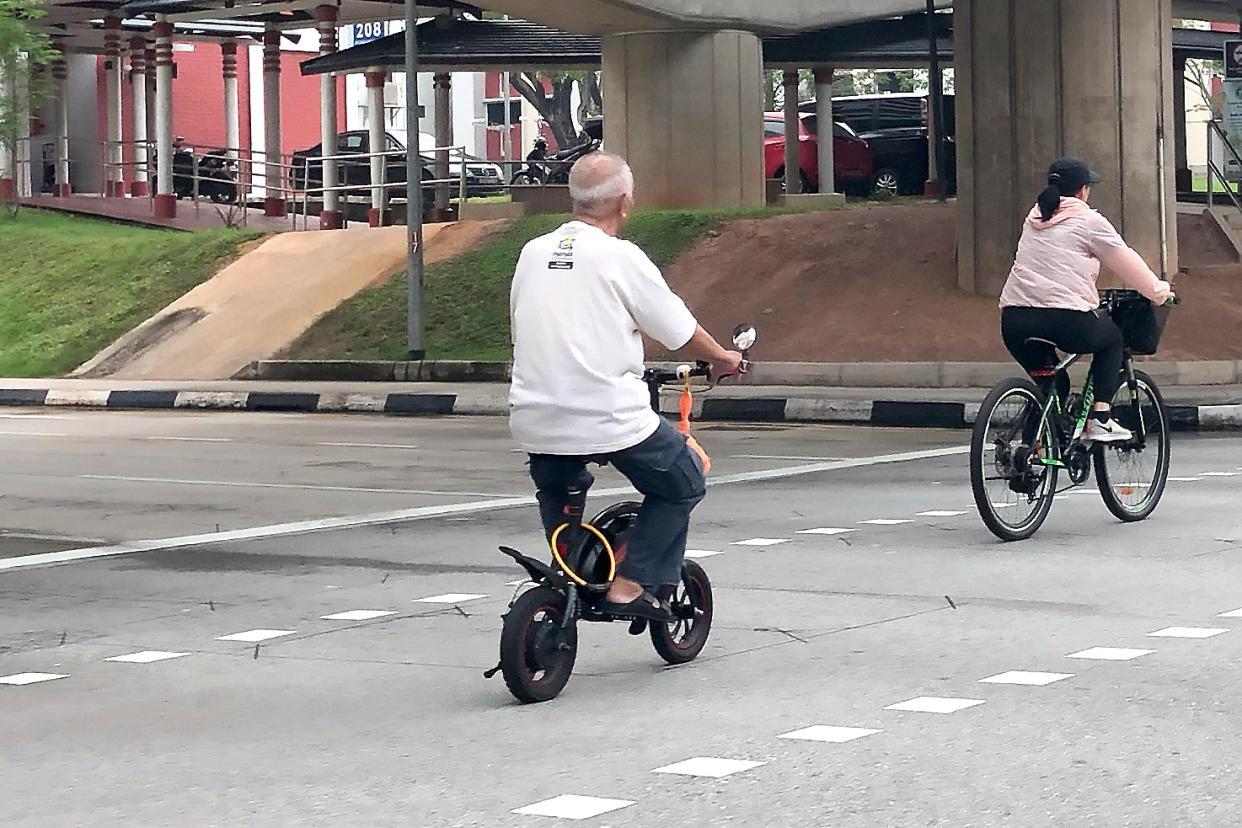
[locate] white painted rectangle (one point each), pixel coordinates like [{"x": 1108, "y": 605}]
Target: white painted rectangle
[
  {"x": 18, "y": 679},
  {"x": 357, "y": 615},
  {"x": 146, "y": 657},
  {"x": 1219, "y": 474},
  {"x": 211, "y": 399},
  {"x": 449, "y": 598},
  {"x": 760, "y": 542},
  {"x": 708, "y": 766},
  {"x": 1231, "y": 614},
  {"x": 86, "y": 397},
  {"x": 941, "y": 513},
  {"x": 828, "y": 733},
  {"x": 826, "y": 530},
  {"x": 1026, "y": 678},
  {"x": 571, "y": 806},
  {"x": 254, "y": 635},
  {"x": 702, "y": 553},
  {"x": 1110, "y": 653},
  {"x": 1187, "y": 632},
  {"x": 886, "y": 521},
  {"x": 935, "y": 704}
]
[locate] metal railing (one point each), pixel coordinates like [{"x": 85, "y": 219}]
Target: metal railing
[{"x": 1214, "y": 172}]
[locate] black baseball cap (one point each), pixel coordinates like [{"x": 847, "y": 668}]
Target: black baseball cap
[{"x": 1071, "y": 174}]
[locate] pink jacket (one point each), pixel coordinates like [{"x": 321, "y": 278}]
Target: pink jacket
[{"x": 1059, "y": 260}]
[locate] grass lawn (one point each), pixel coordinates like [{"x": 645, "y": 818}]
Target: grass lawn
[
  {"x": 70, "y": 286},
  {"x": 466, "y": 299}
]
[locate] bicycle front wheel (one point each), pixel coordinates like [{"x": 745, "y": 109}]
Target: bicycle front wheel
[
  {"x": 1013, "y": 488},
  {"x": 1132, "y": 475}
]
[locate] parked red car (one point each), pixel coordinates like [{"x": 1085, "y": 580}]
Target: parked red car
[{"x": 852, "y": 160}]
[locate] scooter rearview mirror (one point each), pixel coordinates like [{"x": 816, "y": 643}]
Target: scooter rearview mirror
[{"x": 744, "y": 336}]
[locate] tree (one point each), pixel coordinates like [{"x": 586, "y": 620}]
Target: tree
[
  {"x": 25, "y": 54},
  {"x": 557, "y": 109}
]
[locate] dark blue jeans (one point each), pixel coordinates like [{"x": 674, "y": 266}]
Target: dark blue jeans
[{"x": 668, "y": 474}]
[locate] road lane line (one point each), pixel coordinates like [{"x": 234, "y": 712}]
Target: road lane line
[
  {"x": 193, "y": 439},
  {"x": 245, "y": 485},
  {"x": 367, "y": 445},
  {"x": 304, "y": 527},
  {"x": 32, "y": 434}
]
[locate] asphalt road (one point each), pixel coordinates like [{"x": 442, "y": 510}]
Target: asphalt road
[{"x": 388, "y": 721}]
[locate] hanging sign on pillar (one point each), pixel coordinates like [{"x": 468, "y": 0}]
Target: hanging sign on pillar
[
  {"x": 1232, "y": 114},
  {"x": 366, "y": 32}
]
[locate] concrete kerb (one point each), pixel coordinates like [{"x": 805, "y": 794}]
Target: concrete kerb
[{"x": 753, "y": 404}]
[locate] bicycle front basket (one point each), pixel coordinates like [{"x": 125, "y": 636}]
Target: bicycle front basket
[{"x": 1141, "y": 323}]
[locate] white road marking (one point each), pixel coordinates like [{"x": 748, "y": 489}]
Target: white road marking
[
  {"x": 254, "y": 635},
  {"x": 828, "y": 733},
  {"x": 825, "y": 530},
  {"x": 709, "y": 766},
  {"x": 885, "y": 522},
  {"x": 760, "y": 542},
  {"x": 357, "y": 615},
  {"x": 301, "y": 486},
  {"x": 1110, "y": 654},
  {"x": 572, "y": 806},
  {"x": 1029, "y": 679},
  {"x": 935, "y": 704},
  {"x": 146, "y": 657},
  {"x": 1231, "y": 614},
  {"x": 367, "y": 445},
  {"x": 1186, "y": 479},
  {"x": 29, "y": 678},
  {"x": 1218, "y": 474},
  {"x": 35, "y": 417},
  {"x": 33, "y": 434},
  {"x": 785, "y": 457},
  {"x": 193, "y": 439},
  {"x": 703, "y": 553},
  {"x": 303, "y": 527},
  {"x": 1187, "y": 632},
  {"x": 449, "y": 598},
  {"x": 940, "y": 513}
]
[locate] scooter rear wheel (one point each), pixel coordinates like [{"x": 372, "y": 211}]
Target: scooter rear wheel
[
  {"x": 537, "y": 653},
  {"x": 683, "y": 638}
]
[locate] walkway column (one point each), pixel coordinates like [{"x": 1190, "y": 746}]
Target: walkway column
[
  {"x": 232, "y": 128},
  {"x": 330, "y": 215},
  {"x": 138, "y": 89},
  {"x": 60, "y": 73},
  {"x": 7, "y": 154},
  {"x": 827, "y": 129},
  {"x": 1181, "y": 163},
  {"x": 274, "y": 202},
  {"x": 165, "y": 200},
  {"x": 1101, "y": 94},
  {"x": 114, "y": 174},
  {"x": 708, "y": 79},
  {"x": 377, "y": 216},
  {"x": 793, "y": 144},
  {"x": 443, "y": 85}
]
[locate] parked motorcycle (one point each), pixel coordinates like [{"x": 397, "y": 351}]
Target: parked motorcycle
[
  {"x": 554, "y": 169},
  {"x": 217, "y": 176}
]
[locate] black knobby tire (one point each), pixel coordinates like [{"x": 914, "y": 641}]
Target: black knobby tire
[
  {"x": 534, "y": 669},
  {"x": 682, "y": 639},
  {"x": 1122, "y": 471},
  {"x": 1022, "y": 518}
]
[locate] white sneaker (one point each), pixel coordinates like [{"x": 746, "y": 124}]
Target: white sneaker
[{"x": 1106, "y": 432}]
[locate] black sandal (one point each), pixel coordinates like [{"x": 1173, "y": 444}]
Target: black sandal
[{"x": 646, "y": 607}]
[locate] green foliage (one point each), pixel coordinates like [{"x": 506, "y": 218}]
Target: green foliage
[
  {"x": 71, "y": 286},
  {"x": 25, "y": 53}
]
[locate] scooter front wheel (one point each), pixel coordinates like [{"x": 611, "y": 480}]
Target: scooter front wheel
[
  {"x": 683, "y": 638},
  {"x": 537, "y": 651}
]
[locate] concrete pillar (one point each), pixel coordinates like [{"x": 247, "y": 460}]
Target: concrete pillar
[
  {"x": 827, "y": 129},
  {"x": 443, "y": 85},
  {"x": 1181, "y": 163},
  {"x": 165, "y": 200},
  {"x": 1099, "y": 94},
  {"x": 138, "y": 91},
  {"x": 114, "y": 173},
  {"x": 60, "y": 74},
  {"x": 150, "y": 61},
  {"x": 793, "y": 144},
  {"x": 330, "y": 217},
  {"x": 23, "y": 172},
  {"x": 232, "y": 124},
  {"x": 8, "y": 186},
  {"x": 274, "y": 202},
  {"x": 657, "y": 83},
  {"x": 377, "y": 216}
]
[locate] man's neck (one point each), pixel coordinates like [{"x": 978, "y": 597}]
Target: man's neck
[{"x": 610, "y": 226}]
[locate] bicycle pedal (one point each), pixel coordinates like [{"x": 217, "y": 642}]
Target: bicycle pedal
[{"x": 489, "y": 673}]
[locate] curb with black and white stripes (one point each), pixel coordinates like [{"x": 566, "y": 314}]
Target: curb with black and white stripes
[{"x": 908, "y": 414}]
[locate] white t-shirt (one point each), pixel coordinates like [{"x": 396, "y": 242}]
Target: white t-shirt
[{"x": 580, "y": 302}]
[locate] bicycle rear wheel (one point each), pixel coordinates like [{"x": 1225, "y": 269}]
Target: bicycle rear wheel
[
  {"x": 1132, "y": 477},
  {"x": 1013, "y": 491}
]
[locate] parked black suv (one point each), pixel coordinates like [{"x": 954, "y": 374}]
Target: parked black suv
[{"x": 895, "y": 127}]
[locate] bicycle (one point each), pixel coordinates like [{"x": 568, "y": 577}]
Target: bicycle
[
  {"x": 1025, "y": 434},
  {"x": 539, "y": 635}
]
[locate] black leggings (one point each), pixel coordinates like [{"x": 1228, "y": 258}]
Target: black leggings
[{"x": 1077, "y": 332}]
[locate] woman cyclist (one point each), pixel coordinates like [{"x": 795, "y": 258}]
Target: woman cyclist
[{"x": 1051, "y": 291}]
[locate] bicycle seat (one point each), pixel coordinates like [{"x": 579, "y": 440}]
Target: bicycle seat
[{"x": 1037, "y": 340}]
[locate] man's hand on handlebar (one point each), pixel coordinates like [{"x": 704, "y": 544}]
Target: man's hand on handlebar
[{"x": 728, "y": 364}]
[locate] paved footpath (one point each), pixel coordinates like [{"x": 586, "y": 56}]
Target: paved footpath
[{"x": 877, "y": 658}]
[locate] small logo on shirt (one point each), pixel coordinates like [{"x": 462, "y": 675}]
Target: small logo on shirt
[
  {"x": 560, "y": 264},
  {"x": 567, "y": 243}
]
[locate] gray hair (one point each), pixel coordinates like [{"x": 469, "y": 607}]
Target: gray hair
[{"x": 597, "y": 181}]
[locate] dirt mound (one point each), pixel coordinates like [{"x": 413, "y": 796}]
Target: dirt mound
[{"x": 879, "y": 284}]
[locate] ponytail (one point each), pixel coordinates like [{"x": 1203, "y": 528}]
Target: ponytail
[{"x": 1049, "y": 201}]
